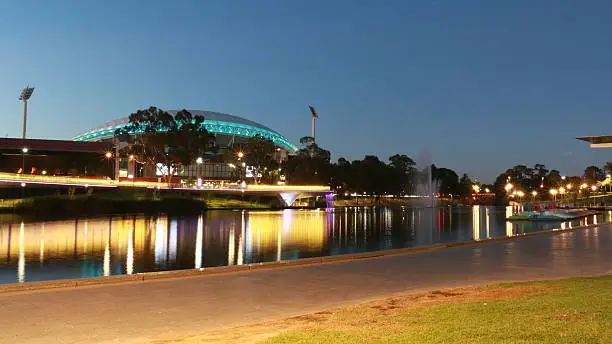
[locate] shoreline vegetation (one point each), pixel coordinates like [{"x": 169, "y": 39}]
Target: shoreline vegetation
[
  {"x": 130, "y": 202},
  {"x": 176, "y": 202}
]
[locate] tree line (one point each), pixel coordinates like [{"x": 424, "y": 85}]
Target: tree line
[{"x": 177, "y": 140}]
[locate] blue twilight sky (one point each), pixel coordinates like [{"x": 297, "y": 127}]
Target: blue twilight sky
[{"x": 478, "y": 85}]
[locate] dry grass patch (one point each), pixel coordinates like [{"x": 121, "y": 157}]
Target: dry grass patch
[{"x": 377, "y": 314}]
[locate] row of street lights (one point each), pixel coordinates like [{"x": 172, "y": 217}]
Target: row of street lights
[{"x": 554, "y": 191}]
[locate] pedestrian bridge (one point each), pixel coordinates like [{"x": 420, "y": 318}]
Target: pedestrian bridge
[{"x": 289, "y": 193}]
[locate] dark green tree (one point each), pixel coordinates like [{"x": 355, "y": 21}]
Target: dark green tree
[
  {"x": 258, "y": 154},
  {"x": 593, "y": 174},
  {"x": 311, "y": 165},
  {"x": 403, "y": 174},
  {"x": 154, "y": 136}
]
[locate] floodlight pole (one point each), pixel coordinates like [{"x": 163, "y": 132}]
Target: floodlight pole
[
  {"x": 25, "y": 117},
  {"x": 314, "y": 128},
  {"x": 26, "y": 93},
  {"x": 314, "y": 116}
]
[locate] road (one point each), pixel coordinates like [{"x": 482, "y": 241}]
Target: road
[{"x": 165, "y": 309}]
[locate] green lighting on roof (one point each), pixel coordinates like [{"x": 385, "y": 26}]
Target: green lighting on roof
[{"x": 213, "y": 126}]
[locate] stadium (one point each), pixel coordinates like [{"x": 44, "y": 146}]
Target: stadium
[{"x": 229, "y": 130}]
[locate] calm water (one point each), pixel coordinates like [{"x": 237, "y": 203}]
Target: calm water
[{"x": 130, "y": 244}]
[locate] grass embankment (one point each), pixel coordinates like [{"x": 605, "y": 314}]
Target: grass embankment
[
  {"x": 577, "y": 310},
  {"x": 125, "y": 201}
]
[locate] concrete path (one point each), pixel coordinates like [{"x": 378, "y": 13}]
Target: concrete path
[{"x": 140, "y": 312}]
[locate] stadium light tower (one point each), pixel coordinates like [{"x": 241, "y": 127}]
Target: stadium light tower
[
  {"x": 314, "y": 115},
  {"x": 26, "y": 93}
]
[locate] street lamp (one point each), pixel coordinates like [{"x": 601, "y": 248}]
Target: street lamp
[
  {"x": 26, "y": 93},
  {"x": 508, "y": 187},
  {"x": 240, "y": 155},
  {"x": 199, "y": 162},
  {"x": 534, "y": 194},
  {"x": 554, "y": 192},
  {"x": 24, "y": 150}
]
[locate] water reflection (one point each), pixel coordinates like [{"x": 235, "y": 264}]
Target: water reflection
[{"x": 128, "y": 245}]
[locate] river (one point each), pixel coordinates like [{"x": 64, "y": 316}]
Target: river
[{"x": 104, "y": 246}]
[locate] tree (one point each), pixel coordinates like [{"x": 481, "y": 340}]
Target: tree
[
  {"x": 311, "y": 164},
  {"x": 154, "y": 136},
  {"x": 608, "y": 167},
  {"x": 404, "y": 172},
  {"x": 465, "y": 185},
  {"x": 448, "y": 181},
  {"x": 593, "y": 174},
  {"x": 258, "y": 154}
]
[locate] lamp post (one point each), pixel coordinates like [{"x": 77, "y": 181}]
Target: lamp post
[
  {"x": 24, "y": 150},
  {"x": 26, "y": 93},
  {"x": 199, "y": 162},
  {"x": 554, "y": 192}
]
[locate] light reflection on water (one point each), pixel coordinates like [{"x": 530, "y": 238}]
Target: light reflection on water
[{"x": 132, "y": 244}]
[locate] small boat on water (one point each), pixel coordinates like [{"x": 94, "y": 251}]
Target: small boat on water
[{"x": 537, "y": 214}]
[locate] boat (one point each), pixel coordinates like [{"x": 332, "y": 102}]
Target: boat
[{"x": 552, "y": 215}]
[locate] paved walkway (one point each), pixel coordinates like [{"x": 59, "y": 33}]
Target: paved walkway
[{"x": 133, "y": 313}]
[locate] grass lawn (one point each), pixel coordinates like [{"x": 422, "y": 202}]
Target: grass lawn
[{"x": 577, "y": 310}]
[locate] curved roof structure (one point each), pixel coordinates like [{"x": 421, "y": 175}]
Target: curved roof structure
[{"x": 215, "y": 122}]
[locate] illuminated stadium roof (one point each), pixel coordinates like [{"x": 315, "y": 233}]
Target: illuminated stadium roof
[{"x": 216, "y": 123}]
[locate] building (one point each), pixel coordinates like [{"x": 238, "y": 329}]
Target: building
[
  {"x": 55, "y": 157},
  {"x": 604, "y": 141},
  {"x": 229, "y": 130}
]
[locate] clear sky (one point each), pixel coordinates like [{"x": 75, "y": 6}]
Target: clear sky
[{"x": 479, "y": 85}]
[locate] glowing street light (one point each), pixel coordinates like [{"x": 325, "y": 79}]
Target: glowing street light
[
  {"x": 562, "y": 190},
  {"x": 24, "y": 149},
  {"x": 508, "y": 187},
  {"x": 199, "y": 162},
  {"x": 487, "y": 190},
  {"x": 594, "y": 187},
  {"x": 569, "y": 186},
  {"x": 240, "y": 155},
  {"x": 108, "y": 155},
  {"x": 534, "y": 194},
  {"x": 476, "y": 188},
  {"x": 554, "y": 192}
]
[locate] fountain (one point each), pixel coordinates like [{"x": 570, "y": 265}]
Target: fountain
[{"x": 425, "y": 185}]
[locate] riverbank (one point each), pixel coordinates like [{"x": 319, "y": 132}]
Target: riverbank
[
  {"x": 148, "y": 312},
  {"x": 575, "y": 310},
  {"x": 130, "y": 202},
  {"x": 385, "y": 201}
]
